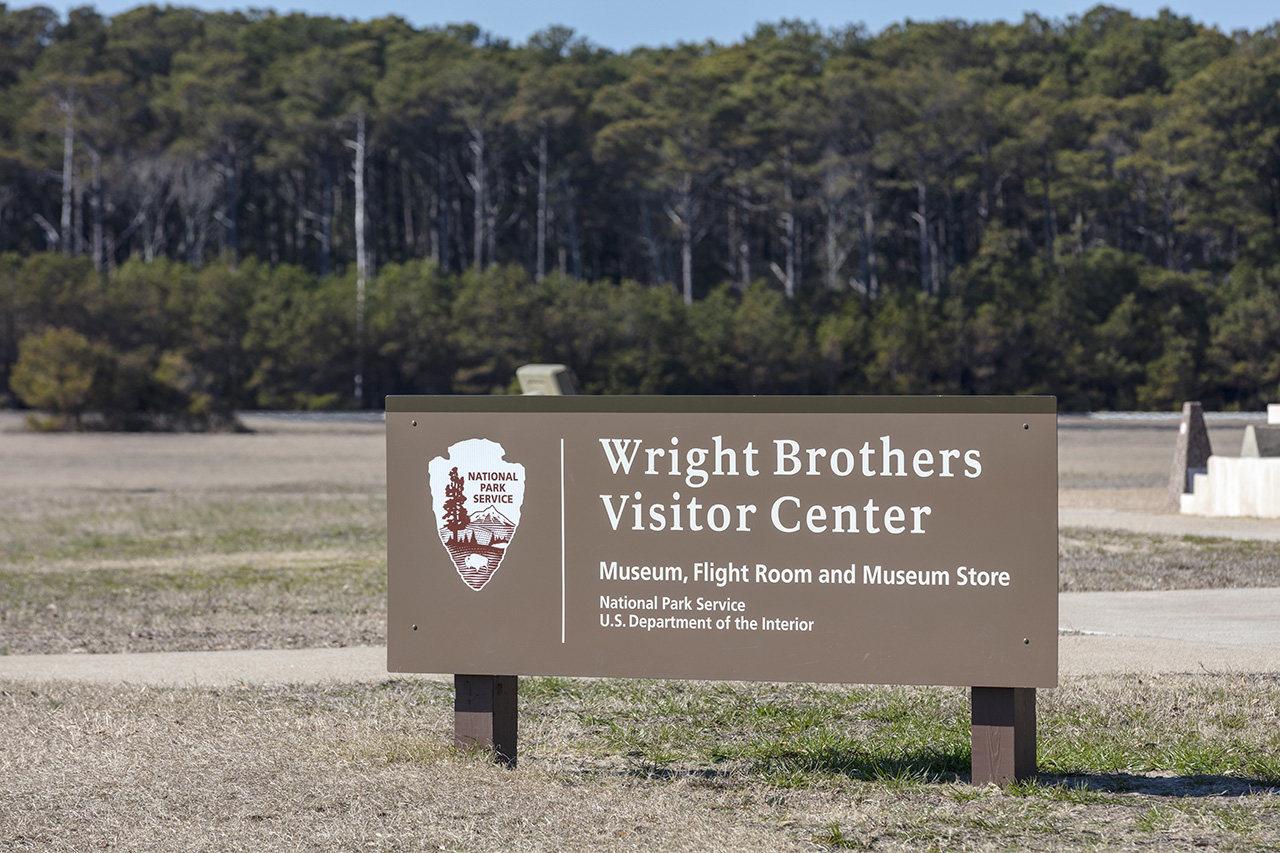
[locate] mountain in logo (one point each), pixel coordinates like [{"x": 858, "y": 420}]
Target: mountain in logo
[
  {"x": 491, "y": 518},
  {"x": 486, "y": 527},
  {"x": 476, "y": 474},
  {"x": 492, "y": 525}
]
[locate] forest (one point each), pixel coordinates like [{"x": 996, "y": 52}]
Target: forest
[{"x": 202, "y": 212}]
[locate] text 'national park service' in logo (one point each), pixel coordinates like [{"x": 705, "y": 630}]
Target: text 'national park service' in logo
[{"x": 476, "y": 496}]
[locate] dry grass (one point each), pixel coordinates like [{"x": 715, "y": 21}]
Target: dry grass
[
  {"x": 1108, "y": 560},
  {"x": 1127, "y": 499},
  {"x": 112, "y": 543},
  {"x": 1180, "y": 763},
  {"x": 207, "y": 570},
  {"x": 1099, "y": 454}
]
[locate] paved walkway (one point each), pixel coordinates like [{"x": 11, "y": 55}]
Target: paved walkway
[
  {"x": 1171, "y": 524},
  {"x": 1227, "y": 630},
  {"x": 205, "y": 669},
  {"x": 1216, "y": 630}
]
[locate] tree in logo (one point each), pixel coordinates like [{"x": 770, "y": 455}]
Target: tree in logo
[{"x": 456, "y": 517}]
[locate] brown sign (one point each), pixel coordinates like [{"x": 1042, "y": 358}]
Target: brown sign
[{"x": 872, "y": 540}]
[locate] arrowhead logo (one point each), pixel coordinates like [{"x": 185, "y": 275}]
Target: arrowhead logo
[{"x": 476, "y": 496}]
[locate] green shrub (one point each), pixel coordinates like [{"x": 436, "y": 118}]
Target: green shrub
[{"x": 55, "y": 371}]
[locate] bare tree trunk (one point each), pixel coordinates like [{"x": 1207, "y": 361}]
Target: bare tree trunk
[
  {"x": 456, "y": 233},
  {"x": 491, "y": 227},
  {"x": 686, "y": 236},
  {"x": 1049, "y": 225},
  {"x": 575, "y": 244},
  {"x": 984, "y": 197},
  {"x": 869, "y": 271},
  {"x": 434, "y": 212},
  {"x": 67, "y": 105},
  {"x": 798, "y": 275},
  {"x": 1166, "y": 220},
  {"x": 442, "y": 203},
  {"x": 835, "y": 255},
  {"x": 737, "y": 215},
  {"x": 362, "y": 264},
  {"x": 651, "y": 242},
  {"x": 154, "y": 238},
  {"x": 298, "y": 239},
  {"x": 77, "y": 217},
  {"x": 731, "y": 238},
  {"x": 789, "y": 227},
  {"x": 231, "y": 223},
  {"x": 95, "y": 205},
  {"x": 406, "y": 209},
  {"x": 921, "y": 215},
  {"x": 937, "y": 239},
  {"x": 834, "y": 202},
  {"x": 540, "y": 270},
  {"x": 326, "y": 220},
  {"x": 481, "y": 196},
  {"x": 273, "y": 230}
]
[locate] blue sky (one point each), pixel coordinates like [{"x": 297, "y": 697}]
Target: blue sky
[{"x": 657, "y": 22}]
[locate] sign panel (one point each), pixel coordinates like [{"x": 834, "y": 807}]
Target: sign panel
[{"x": 902, "y": 540}]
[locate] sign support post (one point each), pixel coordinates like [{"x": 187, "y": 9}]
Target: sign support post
[
  {"x": 484, "y": 715},
  {"x": 1003, "y": 734}
]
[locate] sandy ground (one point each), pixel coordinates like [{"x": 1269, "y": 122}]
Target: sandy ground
[
  {"x": 1112, "y": 475},
  {"x": 1125, "y": 464},
  {"x": 278, "y": 455},
  {"x": 1111, "y": 472},
  {"x": 1103, "y": 464}
]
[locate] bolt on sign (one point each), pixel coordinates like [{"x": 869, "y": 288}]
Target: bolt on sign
[{"x": 893, "y": 540}]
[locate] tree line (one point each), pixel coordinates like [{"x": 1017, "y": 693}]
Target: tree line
[
  {"x": 246, "y": 209},
  {"x": 164, "y": 340}
]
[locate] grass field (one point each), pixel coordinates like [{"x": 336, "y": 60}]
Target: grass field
[
  {"x": 1183, "y": 763},
  {"x": 274, "y": 540},
  {"x": 211, "y": 571}
]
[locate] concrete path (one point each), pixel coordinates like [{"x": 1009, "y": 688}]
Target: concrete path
[
  {"x": 1170, "y": 524},
  {"x": 205, "y": 669},
  {"x": 1221, "y": 631},
  {"x": 1215, "y": 630},
  {"x": 1231, "y": 630}
]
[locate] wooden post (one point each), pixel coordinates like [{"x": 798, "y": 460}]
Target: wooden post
[
  {"x": 1003, "y": 734},
  {"x": 484, "y": 715}
]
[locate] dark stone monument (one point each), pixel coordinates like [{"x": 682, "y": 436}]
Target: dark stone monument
[{"x": 1191, "y": 455}]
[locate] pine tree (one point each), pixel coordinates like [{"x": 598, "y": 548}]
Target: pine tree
[{"x": 456, "y": 517}]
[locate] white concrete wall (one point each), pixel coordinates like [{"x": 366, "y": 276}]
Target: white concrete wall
[{"x": 1236, "y": 486}]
